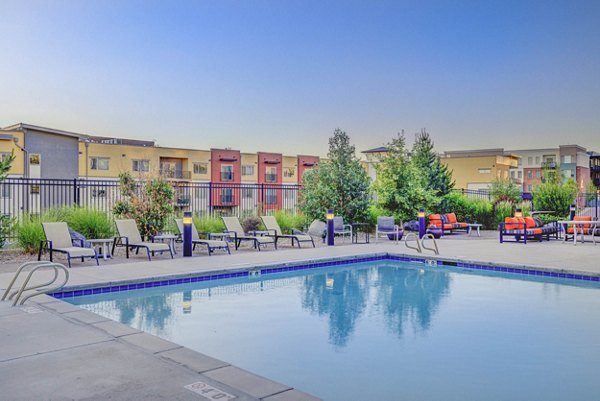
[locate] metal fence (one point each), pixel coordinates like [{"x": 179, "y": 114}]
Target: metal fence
[{"x": 21, "y": 197}]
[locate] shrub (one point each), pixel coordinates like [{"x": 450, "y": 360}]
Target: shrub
[
  {"x": 503, "y": 209},
  {"x": 556, "y": 197},
  {"x": 290, "y": 221},
  {"x": 468, "y": 209},
  {"x": 91, "y": 223},
  {"x": 30, "y": 234},
  {"x": 209, "y": 224},
  {"x": 525, "y": 206},
  {"x": 504, "y": 190}
]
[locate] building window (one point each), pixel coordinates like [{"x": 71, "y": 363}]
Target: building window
[
  {"x": 520, "y": 162},
  {"x": 4, "y": 190},
  {"x": 289, "y": 172},
  {"x": 142, "y": 166},
  {"x": 512, "y": 174},
  {"x": 247, "y": 169},
  {"x": 200, "y": 168},
  {"x": 520, "y": 174},
  {"x": 485, "y": 171},
  {"x": 568, "y": 174},
  {"x": 529, "y": 188},
  {"x": 529, "y": 161},
  {"x": 4, "y": 155},
  {"x": 226, "y": 196},
  {"x": 271, "y": 174},
  {"x": 270, "y": 196},
  {"x": 537, "y": 160},
  {"x": 99, "y": 163},
  {"x": 538, "y": 174},
  {"x": 566, "y": 159},
  {"x": 226, "y": 172},
  {"x": 529, "y": 174}
]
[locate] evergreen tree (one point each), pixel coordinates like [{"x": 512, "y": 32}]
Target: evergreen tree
[
  {"x": 401, "y": 187},
  {"x": 340, "y": 183},
  {"x": 438, "y": 177}
]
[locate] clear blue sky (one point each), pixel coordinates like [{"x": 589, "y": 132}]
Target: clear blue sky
[{"x": 282, "y": 75}]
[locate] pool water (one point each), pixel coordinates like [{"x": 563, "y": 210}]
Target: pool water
[{"x": 386, "y": 330}]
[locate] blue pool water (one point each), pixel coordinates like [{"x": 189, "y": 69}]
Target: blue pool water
[{"x": 386, "y": 330}]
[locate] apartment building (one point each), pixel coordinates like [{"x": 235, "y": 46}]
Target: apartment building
[
  {"x": 225, "y": 178},
  {"x": 573, "y": 161},
  {"x": 477, "y": 169},
  {"x": 595, "y": 169}
]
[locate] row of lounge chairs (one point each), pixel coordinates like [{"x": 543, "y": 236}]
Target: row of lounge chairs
[{"x": 58, "y": 239}]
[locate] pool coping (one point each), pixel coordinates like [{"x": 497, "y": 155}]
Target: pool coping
[{"x": 260, "y": 269}]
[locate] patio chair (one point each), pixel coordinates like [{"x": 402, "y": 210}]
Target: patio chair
[
  {"x": 58, "y": 239},
  {"x": 272, "y": 226},
  {"x": 386, "y": 226},
  {"x": 233, "y": 227},
  {"x": 130, "y": 238},
  {"x": 211, "y": 245},
  {"x": 339, "y": 228}
]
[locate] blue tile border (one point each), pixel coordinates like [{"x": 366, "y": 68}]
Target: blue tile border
[{"x": 316, "y": 265}]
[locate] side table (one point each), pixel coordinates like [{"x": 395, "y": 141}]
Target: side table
[
  {"x": 476, "y": 226},
  {"x": 102, "y": 243},
  {"x": 170, "y": 238},
  {"x": 361, "y": 227}
]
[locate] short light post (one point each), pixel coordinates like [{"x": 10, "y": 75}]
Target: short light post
[
  {"x": 518, "y": 213},
  {"x": 572, "y": 211},
  {"x": 421, "y": 217},
  {"x": 187, "y": 233},
  {"x": 329, "y": 217}
]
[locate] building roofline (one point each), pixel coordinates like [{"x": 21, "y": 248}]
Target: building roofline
[
  {"x": 22, "y": 126},
  {"x": 380, "y": 149}
]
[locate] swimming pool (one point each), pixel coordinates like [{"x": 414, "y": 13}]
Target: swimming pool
[{"x": 385, "y": 330}]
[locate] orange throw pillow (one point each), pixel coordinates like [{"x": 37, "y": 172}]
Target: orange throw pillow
[
  {"x": 511, "y": 223},
  {"x": 530, "y": 222}
]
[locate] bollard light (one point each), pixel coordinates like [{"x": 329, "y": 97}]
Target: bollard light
[
  {"x": 187, "y": 233},
  {"x": 572, "y": 212},
  {"x": 421, "y": 217},
  {"x": 329, "y": 215},
  {"x": 518, "y": 213}
]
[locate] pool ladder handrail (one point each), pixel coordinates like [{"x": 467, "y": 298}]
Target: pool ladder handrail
[
  {"x": 420, "y": 245},
  {"x": 37, "y": 265}
]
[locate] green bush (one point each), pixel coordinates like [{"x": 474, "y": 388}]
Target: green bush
[
  {"x": 209, "y": 224},
  {"x": 472, "y": 210},
  {"x": 525, "y": 206},
  {"x": 252, "y": 223},
  {"x": 30, "y": 234},
  {"x": 503, "y": 209},
  {"x": 289, "y": 221},
  {"x": 556, "y": 197},
  {"x": 504, "y": 190},
  {"x": 91, "y": 223}
]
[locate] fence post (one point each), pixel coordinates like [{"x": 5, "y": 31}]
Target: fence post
[
  {"x": 75, "y": 192},
  {"x": 210, "y": 195},
  {"x": 596, "y": 205}
]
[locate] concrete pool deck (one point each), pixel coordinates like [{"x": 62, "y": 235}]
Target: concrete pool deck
[{"x": 54, "y": 350}]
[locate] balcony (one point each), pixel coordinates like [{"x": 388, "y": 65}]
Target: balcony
[
  {"x": 226, "y": 176},
  {"x": 595, "y": 169},
  {"x": 226, "y": 199},
  {"x": 270, "y": 177},
  {"x": 176, "y": 174}
]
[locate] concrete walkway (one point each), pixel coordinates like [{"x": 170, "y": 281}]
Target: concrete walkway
[{"x": 54, "y": 350}]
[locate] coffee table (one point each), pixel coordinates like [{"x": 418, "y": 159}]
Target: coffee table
[
  {"x": 104, "y": 244},
  {"x": 476, "y": 226}
]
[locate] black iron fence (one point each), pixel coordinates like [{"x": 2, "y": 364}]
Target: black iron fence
[{"x": 20, "y": 197}]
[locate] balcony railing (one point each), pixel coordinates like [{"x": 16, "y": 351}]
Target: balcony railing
[
  {"x": 596, "y": 169},
  {"x": 226, "y": 176},
  {"x": 269, "y": 177},
  {"x": 550, "y": 165},
  {"x": 176, "y": 174}
]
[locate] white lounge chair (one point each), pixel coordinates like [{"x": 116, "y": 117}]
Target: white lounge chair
[
  {"x": 58, "y": 239},
  {"x": 129, "y": 237},
  {"x": 233, "y": 227},
  {"x": 274, "y": 230},
  {"x": 210, "y": 244}
]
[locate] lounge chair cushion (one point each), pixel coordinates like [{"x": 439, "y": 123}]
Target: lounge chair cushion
[
  {"x": 152, "y": 246},
  {"x": 76, "y": 251},
  {"x": 302, "y": 237},
  {"x": 512, "y": 223},
  {"x": 530, "y": 222},
  {"x": 452, "y": 218},
  {"x": 212, "y": 243},
  {"x": 538, "y": 222}
]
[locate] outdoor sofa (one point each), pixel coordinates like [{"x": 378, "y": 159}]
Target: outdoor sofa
[
  {"x": 447, "y": 222},
  {"x": 526, "y": 228}
]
